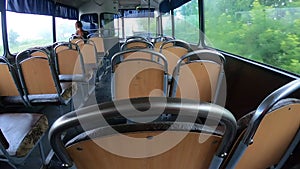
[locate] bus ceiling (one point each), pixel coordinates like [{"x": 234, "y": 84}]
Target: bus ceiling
[
  {"x": 162, "y": 5},
  {"x": 123, "y": 4},
  {"x": 72, "y": 3}
]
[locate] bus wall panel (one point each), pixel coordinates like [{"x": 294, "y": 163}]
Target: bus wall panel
[{"x": 248, "y": 84}]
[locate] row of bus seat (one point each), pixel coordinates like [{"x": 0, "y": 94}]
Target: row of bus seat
[
  {"x": 142, "y": 42},
  {"x": 172, "y": 49},
  {"x": 144, "y": 72},
  {"x": 97, "y": 40},
  {"x": 203, "y": 135},
  {"x": 33, "y": 80},
  {"x": 21, "y": 132},
  {"x": 38, "y": 76},
  {"x": 94, "y": 46},
  {"x": 74, "y": 63},
  {"x": 102, "y": 48}
]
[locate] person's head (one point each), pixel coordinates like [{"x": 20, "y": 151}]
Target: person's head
[{"x": 78, "y": 24}]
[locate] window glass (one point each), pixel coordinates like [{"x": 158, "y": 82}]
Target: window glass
[
  {"x": 139, "y": 23},
  {"x": 1, "y": 40},
  {"x": 186, "y": 19},
  {"x": 28, "y": 30},
  {"x": 264, "y": 31},
  {"x": 139, "y": 27},
  {"x": 167, "y": 24},
  {"x": 109, "y": 24},
  {"x": 64, "y": 29},
  {"x": 118, "y": 26}
]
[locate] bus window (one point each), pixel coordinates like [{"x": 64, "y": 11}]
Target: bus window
[
  {"x": 186, "y": 19},
  {"x": 136, "y": 23},
  {"x": 109, "y": 25},
  {"x": 118, "y": 26},
  {"x": 90, "y": 22},
  {"x": 1, "y": 40},
  {"x": 264, "y": 31},
  {"x": 28, "y": 30},
  {"x": 64, "y": 29},
  {"x": 167, "y": 24}
]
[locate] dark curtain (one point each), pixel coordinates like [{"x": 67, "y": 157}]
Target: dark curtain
[
  {"x": 66, "y": 12},
  {"x": 92, "y": 18},
  {"x": 44, "y": 7},
  {"x": 2, "y": 5}
]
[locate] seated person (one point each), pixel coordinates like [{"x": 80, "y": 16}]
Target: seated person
[{"x": 80, "y": 33}]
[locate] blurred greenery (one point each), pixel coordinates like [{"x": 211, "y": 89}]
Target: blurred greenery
[
  {"x": 187, "y": 22},
  {"x": 20, "y": 46},
  {"x": 266, "y": 31},
  {"x": 1, "y": 50}
]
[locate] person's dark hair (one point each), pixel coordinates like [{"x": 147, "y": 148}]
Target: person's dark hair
[{"x": 79, "y": 24}]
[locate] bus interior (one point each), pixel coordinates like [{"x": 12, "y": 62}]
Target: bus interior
[{"x": 152, "y": 79}]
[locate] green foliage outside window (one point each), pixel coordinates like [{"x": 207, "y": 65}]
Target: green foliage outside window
[
  {"x": 259, "y": 30},
  {"x": 1, "y": 49},
  {"x": 187, "y": 22},
  {"x": 142, "y": 24}
]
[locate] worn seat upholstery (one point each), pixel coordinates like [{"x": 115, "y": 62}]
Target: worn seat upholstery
[{"x": 21, "y": 132}]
